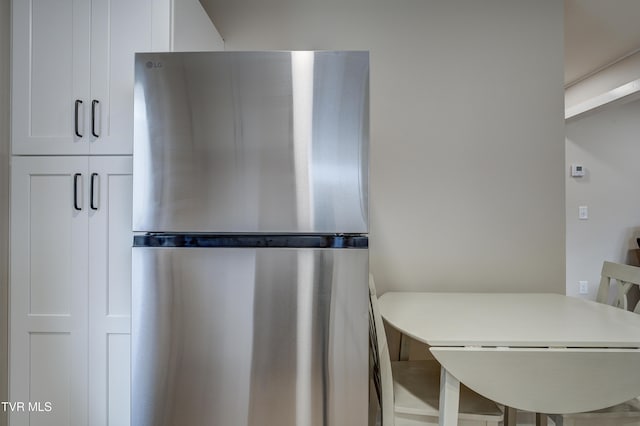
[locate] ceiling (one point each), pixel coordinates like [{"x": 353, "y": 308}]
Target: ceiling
[{"x": 597, "y": 34}]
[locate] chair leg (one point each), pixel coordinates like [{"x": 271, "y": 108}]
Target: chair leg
[
  {"x": 541, "y": 419},
  {"x": 557, "y": 419},
  {"x": 510, "y": 416}
]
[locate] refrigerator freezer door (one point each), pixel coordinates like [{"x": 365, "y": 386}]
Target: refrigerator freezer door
[
  {"x": 253, "y": 142},
  {"x": 246, "y": 336}
]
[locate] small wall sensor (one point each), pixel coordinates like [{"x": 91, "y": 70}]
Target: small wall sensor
[{"x": 577, "y": 170}]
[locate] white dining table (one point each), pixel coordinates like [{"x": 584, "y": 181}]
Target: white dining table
[{"x": 545, "y": 353}]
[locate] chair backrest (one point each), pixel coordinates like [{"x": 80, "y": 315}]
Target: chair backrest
[
  {"x": 381, "y": 362},
  {"x": 626, "y": 276}
]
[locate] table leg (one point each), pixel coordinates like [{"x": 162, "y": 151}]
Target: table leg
[
  {"x": 449, "y": 398},
  {"x": 510, "y": 417}
]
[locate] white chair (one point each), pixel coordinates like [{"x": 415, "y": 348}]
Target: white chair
[
  {"x": 409, "y": 391},
  {"x": 627, "y": 413},
  {"x": 625, "y": 276}
]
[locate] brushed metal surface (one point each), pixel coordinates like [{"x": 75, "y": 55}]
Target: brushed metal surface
[
  {"x": 256, "y": 337},
  {"x": 271, "y": 142}
]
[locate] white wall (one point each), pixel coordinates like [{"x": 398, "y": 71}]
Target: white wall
[
  {"x": 467, "y": 153},
  {"x": 606, "y": 144},
  {"x": 193, "y": 31},
  {"x": 4, "y": 193}
]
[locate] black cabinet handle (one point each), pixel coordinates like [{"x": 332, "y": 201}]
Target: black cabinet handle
[
  {"x": 93, "y": 181},
  {"x": 93, "y": 117},
  {"x": 76, "y": 124},
  {"x": 75, "y": 191}
]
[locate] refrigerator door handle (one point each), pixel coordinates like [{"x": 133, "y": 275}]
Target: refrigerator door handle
[{"x": 75, "y": 191}]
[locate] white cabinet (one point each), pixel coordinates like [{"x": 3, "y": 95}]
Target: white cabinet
[
  {"x": 70, "y": 290},
  {"x": 72, "y": 79},
  {"x": 73, "y": 74}
]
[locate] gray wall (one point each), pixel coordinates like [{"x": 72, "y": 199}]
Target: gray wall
[
  {"x": 467, "y": 151},
  {"x": 4, "y": 193}
]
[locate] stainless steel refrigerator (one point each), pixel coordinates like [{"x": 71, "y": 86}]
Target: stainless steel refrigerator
[{"x": 250, "y": 269}]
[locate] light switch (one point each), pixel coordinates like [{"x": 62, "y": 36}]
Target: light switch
[
  {"x": 583, "y": 212},
  {"x": 584, "y": 287}
]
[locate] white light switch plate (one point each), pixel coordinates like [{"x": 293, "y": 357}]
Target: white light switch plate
[
  {"x": 584, "y": 287},
  {"x": 583, "y": 212}
]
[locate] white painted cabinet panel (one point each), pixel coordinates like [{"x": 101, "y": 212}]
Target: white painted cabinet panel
[
  {"x": 73, "y": 68},
  {"x": 49, "y": 270},
  {"x": 50, "y": 72},
  {"x": 70, "y": 289},
  {"x": 110, "y": 240},
  {"x": 119, "y": 28}
]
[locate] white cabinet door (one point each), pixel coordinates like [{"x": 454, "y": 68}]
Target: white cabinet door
[
  {"x": 70, "y": 290},
  {"x": 73, "y": 74},
  {"x": 119, "y": 28},
  {"x": 73, "y": 68},
  {"x": 110, "y": 237},
  {"x": 49, "y": 274},
  {"x": 50, "y": 74}
]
